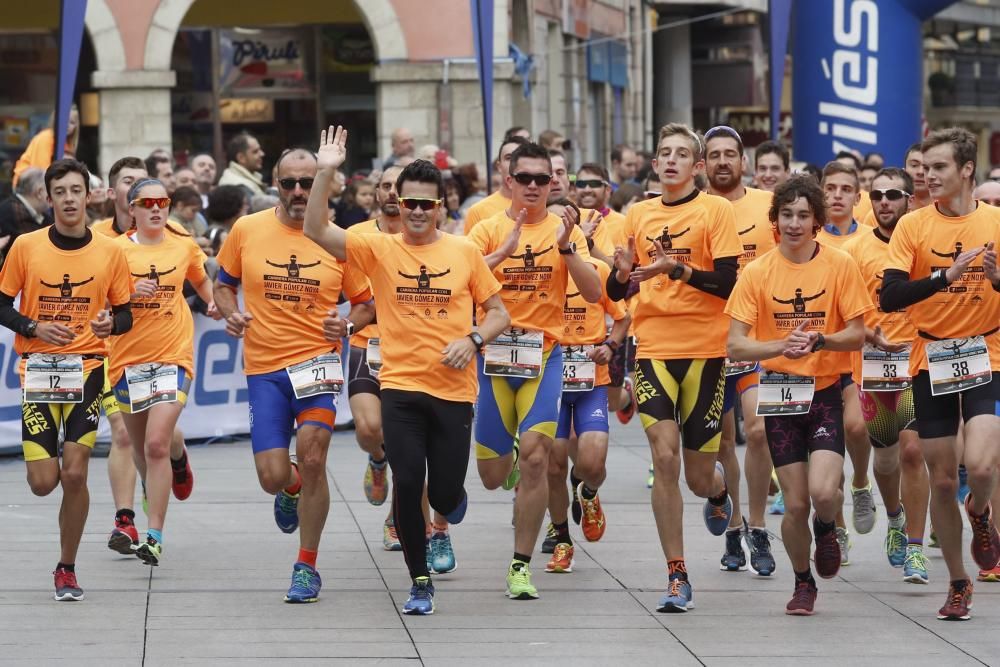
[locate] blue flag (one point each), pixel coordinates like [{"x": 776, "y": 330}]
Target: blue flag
[
  {"x": 482, "y": 39},
  {"x": 71, "y": 19},
  {"x": 779, "y": 18}
]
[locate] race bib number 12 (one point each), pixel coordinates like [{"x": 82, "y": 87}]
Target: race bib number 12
[{"x": 53, "y": 378}]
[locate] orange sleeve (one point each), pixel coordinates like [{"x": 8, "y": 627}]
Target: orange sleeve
[
  {"x": 723, "y": 239},
  {"x": 625, "y": 230},
  {"x": 471, "y": 220},
  {"x": 576, "y": 236},
  {"x": 742, "y": 304},
  {"x": 360, "y": 251},
  {"x": 121, "y": 278},
  {"x": 229, "y": 253},
  {"x": 479, "y": 236},
  {"x": 355, "y": 286},
  {"x": 38, "y": 153},
  {"x": 196, "y": 265},
  {"x": 901, "y": 253},
  {"x": 483, "y": 283},
  {"x": 12, "y": 274},
  {"x": 853, "y": 300}
]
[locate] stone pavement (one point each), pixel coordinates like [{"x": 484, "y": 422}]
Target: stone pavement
[{"x": 217, "y": 597}]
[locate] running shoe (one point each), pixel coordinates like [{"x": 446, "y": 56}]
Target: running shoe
[
  {"x": 594, "y": 523},
  {"x": 895, "y": 547},
  {"x": 915, "y": 567},
  {"x": 761, "y": 559},
  {"x": 932, "y": 541},
  {"x": 576, "y": 510},
  {"x": 803, "y": 600},
  {"x": 551, "y": 539},
  {"x": 390, "y": 540},
  {"x": 778, "y": 504},
  {"x": 67, "y": 587},
  {"x": 827, "y": 553},
  {"x": 844, "y": 540},
  {"x": 734, "y": 559},
  {"x": 562, "y": 559},
  {"x": 514, "y": 477},
  {"x": 956, "y": 607},
  {"x": 519, "y": 582},
  {"x": 150, "y": 552},
  {"x": 649, "y": 480},
  {"x": 376, "y": 482},
  {"x": 717, "y": 516},
  {"x": 183, "y": 479},
  {"x": 990, "y": 575},
  {"x": 963, "y": 484},
  {"x": 985, "y": 538},
  {"x": 442, "y": 555},
  {"x": 625, "y": 414},
  {"x": 679, "y": 597},
  {"x": 306, "y": 583},
  {"x": 421, "y": 600},
  {"x": 286, "y": 511},
  {"x": 863, "y": 512},
  {"x": 124, "y": 537},
  {"x": 429, "y": 560}
]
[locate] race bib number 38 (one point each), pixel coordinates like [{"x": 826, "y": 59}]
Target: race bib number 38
[
  {"x": 515, "y": 353},
  {"x": 149, "y": 384},
  {"x": 884, "y": 371},
  {"x": 783, "y": 394},
  {"x": 579, "y": 370},
  {"x": 320, "y": 375},
  {"x": 53, "y": 378},
  {"x": 957, "y": 364}
]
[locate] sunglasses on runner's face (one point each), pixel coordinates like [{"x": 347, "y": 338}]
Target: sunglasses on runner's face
[
  {"x": 150, "y": 202},
  {"x": 289, "y": 183},
  {"x": 593, "y": 184},
  {"x": 892, "y": 194},
  {"x": 539, "y": 179},
  {"x": 423, "y": 203}
]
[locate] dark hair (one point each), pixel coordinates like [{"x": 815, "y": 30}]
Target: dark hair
[
  {"x": 963, "y": 145},
  {"x": 529, "y": 150},
  {"x": 520, "y": 141},
  {"x": 724, "y": 131},
  {"x": 567, "y": 203},
  {"x": 848, "y": 154},
  {"x": 130, "y": 162},
  {"x": 797, "y": 186},
  {"x": 421, "y": 171},
  {"x": 833, "y": 167},
  {"x": 61, "y": 168},
  {"x": 896, "y": 172},
  {"x": 775, "y": 147},
  {"x": 594, "y": 168},
  {"x": 511, "y": 132},
  {"x": 152, "y": 164},
  {"x": 868, "y": 166},
  {"x": 813, "y": 171},
  {"x": 238, "y": 144},
  {"x": 916, "y": 146},
  {"x": 185, "y": 195},
  {"x": 455, "y": 182},
  {"x": 616, "y": 152},
  {"x": 139, "y": 185},
  {"x": 625, "y": 193},
  {"x": 225, "y": 202}
]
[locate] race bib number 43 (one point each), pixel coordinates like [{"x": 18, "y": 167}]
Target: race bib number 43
[
  {"x": 515, "y": 353},
  {"x": 149, "y": 384},
  {"x": 53, "y": 378},
  {"x": 320, "y": 375},
  {"x": 884, "y": 371},
  {"x": 783, "y": 394},
  {"x": 579, "y": 370},
  {"x": 957, "y": 364}
]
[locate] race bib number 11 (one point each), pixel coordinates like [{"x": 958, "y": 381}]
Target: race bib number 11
[{"x": 515, "y": 353}]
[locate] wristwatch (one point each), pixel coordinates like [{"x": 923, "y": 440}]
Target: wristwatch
[
  {"x": 942, "y": 274},
  {"x": 350, "y": 328},
  {"x": 569, "y": 250},
  {"x": 820, "y": 343},
  {"x": 29, "y": 331},
  {"x": 612, "y": 345},
  {"x": 477, "y": 340},
  {"x": 677, "y": 272}
]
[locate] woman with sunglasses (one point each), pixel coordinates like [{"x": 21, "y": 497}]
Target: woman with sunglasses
[{"x": 151, "y": 367}]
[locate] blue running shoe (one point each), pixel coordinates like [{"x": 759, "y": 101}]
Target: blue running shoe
[
  {"x": 895, "y": 546},
  {"x": 442, "y": 555},
  {"x": 286, "y": 511},
  {"x": 778, "y": 506},
  {"x": 717, "y": 516},
  {"x": 963, "y": 484},
  {"x": 305, "y": 586},
  {"x": 915, "y": 566},
  {"x": 421, "y": 600},
  {"x": 678, "y": 599}
]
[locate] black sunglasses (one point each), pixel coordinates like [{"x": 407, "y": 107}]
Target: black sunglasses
[
  {"x": 526, "y": 179},
  {"x": 290, "y": 183},
  {"x": 892, "y": 194},
  {"x": 424, "y": 204},
  {"x": 594, "y": 184}
]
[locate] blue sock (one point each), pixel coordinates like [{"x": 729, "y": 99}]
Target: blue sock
[{"x": 155, "y": 534}]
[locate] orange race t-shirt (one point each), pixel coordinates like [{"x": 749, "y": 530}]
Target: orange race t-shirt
[
  {"x": 753, "y": 224},
  {"x": 289, "y": 284},
  {"x": 584, "y": 323},
  {"x": 774, "y": 296},
  {"x": 69, "y": 287},
  {"x": 162, "y": 326},
  {"x": 360, "y": 339},
  {"x": 484, "y": 209},
  {"x": 608, "y": 230},
  {"x": 863, "y": 208},
  {"x": 535, "y": 276},
  {"x": 924, "y": 241},
  {"x": 107, "y": 227},
  {"x": 426, "y": 293},
  {"x": 674, "y": 320}
]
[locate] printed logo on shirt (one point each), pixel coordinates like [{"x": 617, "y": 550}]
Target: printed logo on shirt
[
  {"x": 529, "y": 256},
  {"x": 973, "y": 274},
  {"x": 154, "y": 275},
  {"x": 424, "y": 279},
  {"x": 70, "y": 310},
  {"x": 531, "y": 277},
  {"x": 423, "y": 297},
  {"x": 572, "y": 316},
  {"x": 66, "y": 286},
  {"x": 162, "y": 297},
  {"x": 290, "y": 288},
  {"x": 666, "y": 240},
  {"x": 788, "y": 321}
]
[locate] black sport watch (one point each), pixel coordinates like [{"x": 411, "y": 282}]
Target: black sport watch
[
  {"x": 820, "y": 343},
  {"x": 29, "y": 331},
  {"x": 477, "y": 340},
  {"x": 677, "y": 272},
  {"x": 570, "y": 249}
]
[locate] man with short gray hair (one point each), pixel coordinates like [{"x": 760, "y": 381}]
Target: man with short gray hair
[{"x": 26, "y": 210}]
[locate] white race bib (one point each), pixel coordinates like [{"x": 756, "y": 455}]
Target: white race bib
[
  {"x": 579, "y": 370},
  {"x": 957, "y": 364},
  {"x": 53, "y": 378},
  {"x": 149, "y": 384},
  {"x": 739, "y": 367},
  {"x": 323, "y": 374},
  {"x": 884, "y": 371},
  {"x": 515, "y": 353},
  {"x": 374, "y": 356},
  {"x": 783, "y": 394}
]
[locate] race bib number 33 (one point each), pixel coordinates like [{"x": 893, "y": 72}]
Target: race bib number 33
[
  {"x": 323, "y": 374},
  {"x": 515, "y": 353},
  {"x": 884, "y": 371},
  {"x": 53, "y": 378}
]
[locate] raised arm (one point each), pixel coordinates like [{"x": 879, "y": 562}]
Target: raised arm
[{"x": 331, "y": 154}]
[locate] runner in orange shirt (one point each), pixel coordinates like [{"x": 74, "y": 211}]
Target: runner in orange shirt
[
  {"x": 686, "y": 247},
  {"x": 428, "y": 281},
  {"x": 724, "y": 167},
  {"x": 942, "y": 268},
  {"x": 293, "y": 375},
  {"x": 771, "y": 162},
  {"x": 499, "y": 200},
  {"x": 65, "y": 276},
  {"x": 796, "y": 310},
  {"x": 151, "y": 367}
]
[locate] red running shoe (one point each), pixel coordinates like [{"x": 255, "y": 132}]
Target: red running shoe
[
  {"x": 625, "y": 414},
  {"x": 67, "y": 587},
  {"x": 124, "y": 537},
  {"x": 956, "y": 608},
  {"x": 985, "y": 539},
  {"x": 183, "y": 482},
  {"x": 827, "y": 554},
  {"x": 803, "y": 600}
]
